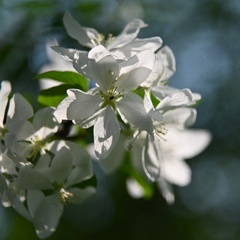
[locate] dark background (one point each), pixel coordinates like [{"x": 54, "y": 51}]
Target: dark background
[{"x": 204, "y": 36}]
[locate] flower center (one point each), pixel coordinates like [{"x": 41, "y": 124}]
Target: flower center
[
  {"x": 64, "y": 195},
  {"x": 161, "y": 130},
  {"x": 100, "y": 39},
  {"x": 35, "y": 145},
  {"x": 111, "y": 97}
]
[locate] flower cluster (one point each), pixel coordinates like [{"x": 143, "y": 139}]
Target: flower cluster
[
  {"x": 132, "y": 98},
  {"x": 120, "y": 89},
  {"x": 39, "y": 173}
]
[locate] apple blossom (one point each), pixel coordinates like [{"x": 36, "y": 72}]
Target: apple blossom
[{"x": 98, "y": 106}]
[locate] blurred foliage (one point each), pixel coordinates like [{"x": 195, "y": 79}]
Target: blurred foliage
[{"x": 204, "y": 37}]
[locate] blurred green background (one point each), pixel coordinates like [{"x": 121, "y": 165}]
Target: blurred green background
[{"x": 204, "y": 36}]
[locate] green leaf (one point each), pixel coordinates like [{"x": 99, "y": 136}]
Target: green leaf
[
  {"x": 53, "y": 96},
  {"x": 65, "y": 77}
]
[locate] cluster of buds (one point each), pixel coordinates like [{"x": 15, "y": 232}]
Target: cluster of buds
[{"x": 132, "y": 110}]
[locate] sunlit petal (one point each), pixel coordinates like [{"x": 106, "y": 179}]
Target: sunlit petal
[{"x": 129, "y": 33}]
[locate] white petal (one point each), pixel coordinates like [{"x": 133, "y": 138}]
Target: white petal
[
  {"x": 166, "y": 56},
  {"x": 178, "y": 99},
  {"x": 136, "y": 46},
  {"x": 61, "y": 165},
  {"x": 32, "y": 179},
  {"x": 135, "y": 70},
  {"x": 132, "y": 79},
  {"x": 61, "y": 111},
  {"x": 134, "y": 188},
  {"x": 131, "y": 108},
  {"x": 17, "y": 141},
  {"x": 76, "y": 31},
  {"x": 47, "y": 215},
  {"x": 81, "y": 195},
  {"x": 67, "y": 53},
  {"x": 45, "y": 123},
  {"x": 129, "y": 33},
  {"x": 166, "y": 190},
  {"x": 81, "y": 63},
  {"x": 103, "y": 66},
  {"x": 34, "y": 198},
  {"x": 82, "y": 166},
  {"x": 186, "y": 143},
  {"x": 156, "y": 115},
  {"x": 78, "y": 174},
  {"x": 106, "y": 133},
  {"x": 83, "y": 106},
  {"x": 161, "y": 91},
  {"x": 90, "y": 121},
  {"x": 4, "y": 93},
  {"x": 19, "y": 110},
  {"x": 19, "y": 206},
  {"x": 7, "y": 165},
  {"x": 151, "y": 160},
  {"x": 3, "y": 184},
  {"x": 180, "y": 117},
  {"x": 175, "y": 170},
  {"x": 115, "y": 158},
  {"x": 155, "y": 75},
  {"x": 98, "y": 53}
]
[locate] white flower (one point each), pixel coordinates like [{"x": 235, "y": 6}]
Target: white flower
[
  {"x": 134, "y": 189},
  {"x": 4, "y": 93},
  {"x": 123, "y": 46},
  {"x": 176, "y": 145},
  {"x": 98, "y": 106},
  {"x": 163, "y": 156},
  {"x": 18, "y": 111},
  {"x": 53, "y": 183},
  {"x": 32, "y": 138},
  {"x": 171, "y": 97},
  {"x": 164, "y": 68}
]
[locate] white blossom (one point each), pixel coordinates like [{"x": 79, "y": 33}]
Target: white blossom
[
  {"x": 32, "y": 137},
  {"x": 19, "y": 110},
  {"x": 123, "y": 46},
  {"x": 52, "y": 183},
  {"x": 163, "y": 156},
  {"x": 98, "y": 106}
]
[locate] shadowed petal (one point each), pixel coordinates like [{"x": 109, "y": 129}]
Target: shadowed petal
[
  {"x": 106, "y": 133},
  {"x": 103, "y": 66},
  {"x": 19, "y": 111},
  {"x": 81, "y": 34},
  {"x": 83, "y": 106},
  {"x": 132, "y": 110},
  {"x": 4, "y": 93},
  {"x": 61, "y": 165},
  {"x": 150, "y": 160}
]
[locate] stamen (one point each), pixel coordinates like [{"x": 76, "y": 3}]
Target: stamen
[{"x": 64, "y": 195}]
